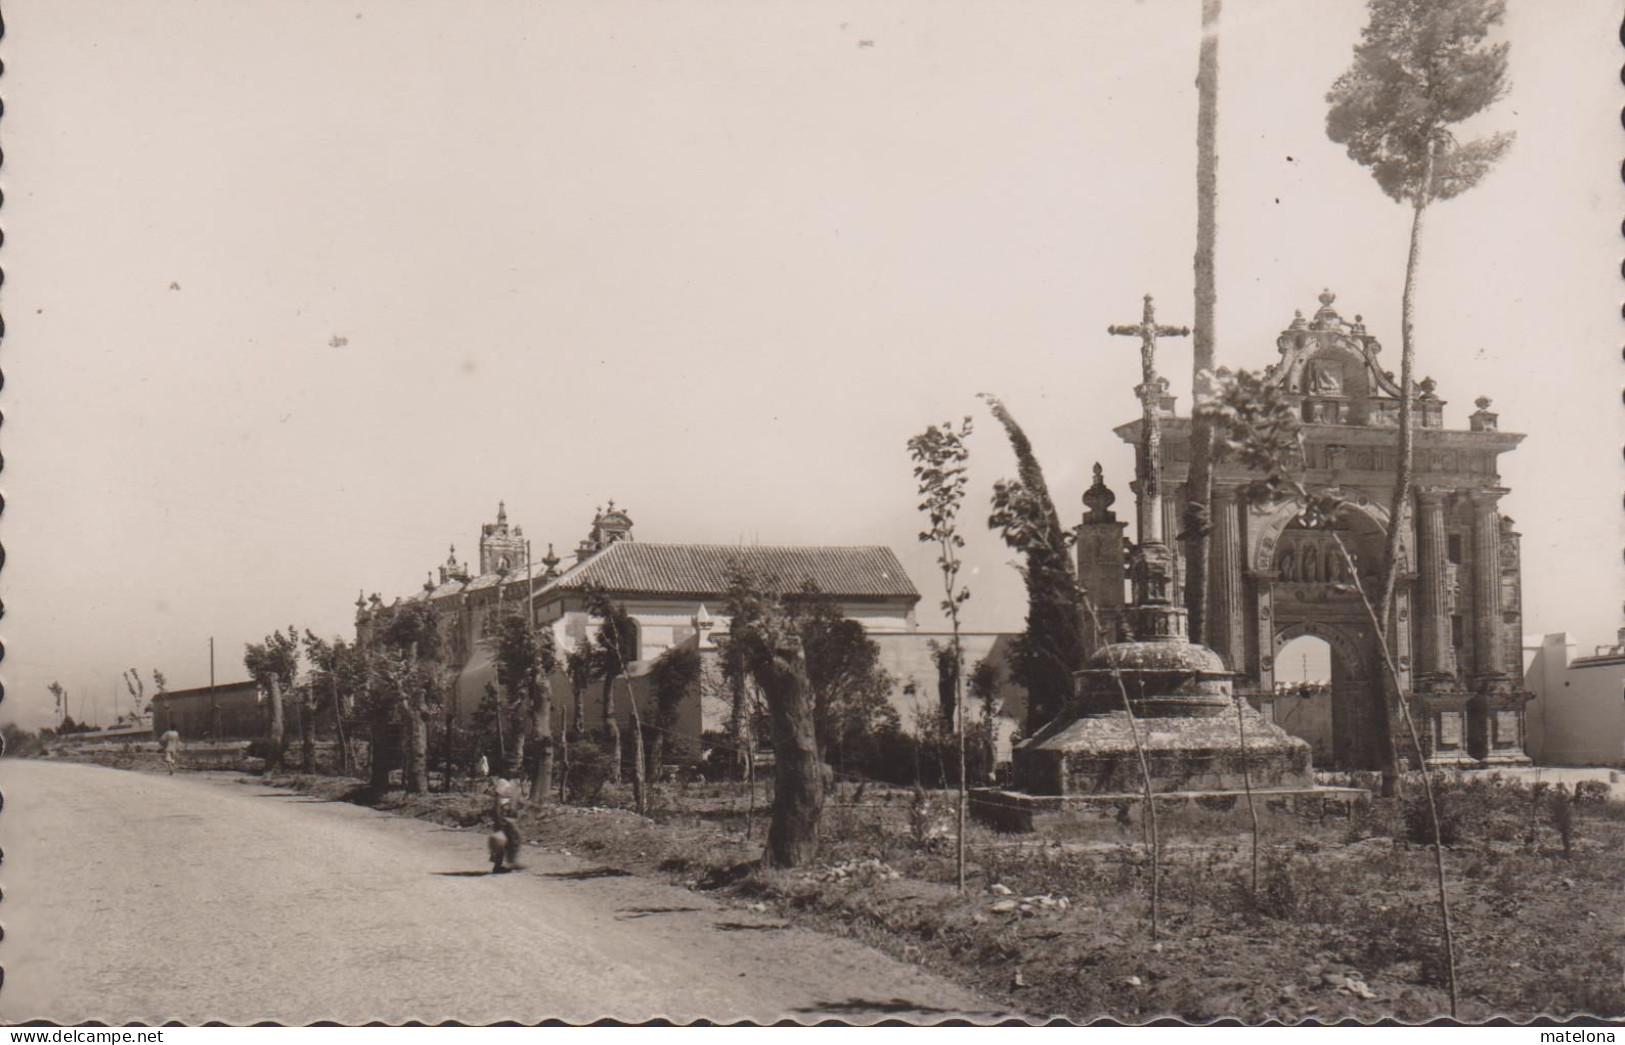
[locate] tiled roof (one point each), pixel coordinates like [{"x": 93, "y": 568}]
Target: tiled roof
[{"x": 637, "y": 567}]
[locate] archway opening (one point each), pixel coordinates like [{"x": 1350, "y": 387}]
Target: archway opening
[{"x": 1303, "y": 704}]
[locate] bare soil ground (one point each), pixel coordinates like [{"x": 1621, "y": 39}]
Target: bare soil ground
[{"x": 1342, "y": 926}]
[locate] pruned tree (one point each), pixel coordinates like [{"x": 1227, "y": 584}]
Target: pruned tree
[
  {"x": 338, "y": 676},
  {"x": 985, "y": 679},
  {"x": 274, "y": 665},
  {"x": 405, "y": 677},
  {"x": 489, "y": 715},
  {"x": 579, "y": 666},
  {"x": 765, "y": 638},
  {"x": 1051, "y": 649},
  {"x": 849, "y": 685},
  {"x": 1421, "y": 67},
  {"x": 671, "y": 679},
  {"x": 525, "y": 661},
  {"x": 616, "y": 646}
]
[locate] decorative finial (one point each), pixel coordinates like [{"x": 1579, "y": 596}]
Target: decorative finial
[
  {"x": 1482, "y": 402},
  {"x": 1327, "y": 297},
  {"x": 1099, "y": 499},
  {"x": 502, "y": 512},
  {"x": 550, "y": 560},
  {"x": 360, "y": 599}
]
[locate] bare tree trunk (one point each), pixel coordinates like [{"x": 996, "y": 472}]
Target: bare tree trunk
[
  {"x": 417, "y": 760},
  {"x": 1199, "y": 484},
  {"x": 278, "y": 738},
  {"x": 657, "y": 752},
  {"x": 750, "y": 790},
  {"x": 640, "y": 797},
  {"x": 613, "y": 729},
  {"x": 307, "y": 736},
  {"x": 448, "y": 749},
  {"x": 541, "y": 734},
  {"x": 1247, "y": 783},
  {"x": 798, "y": 791},
  {"x": 516, "y": 761},
  {"x": 1398, "y": 513},
  {"x": 338, "y": 731},
  {"x": 565, "y": 766},
  {"x": 739, "y": 728},
  {"x": 381, "y": 755}
]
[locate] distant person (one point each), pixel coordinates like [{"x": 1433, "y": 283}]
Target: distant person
[
  {"x": 505, "y": 840},
  {"x": 171, "y": 744},
  {"x": 484, "y": 768}
]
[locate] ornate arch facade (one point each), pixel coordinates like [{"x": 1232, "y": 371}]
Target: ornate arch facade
[{"x": 1267, "y": 527}]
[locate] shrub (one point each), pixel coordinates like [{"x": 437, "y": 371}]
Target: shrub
[
  {"x": 1591, "y": 792},
  {"x": 1463, "y": 809},
  {"x": 260, "y": 747},
  {"x": 1561, "y": 810},
  {"x": 588, "y": 772},
  {"x": 1278, "y": 895}
]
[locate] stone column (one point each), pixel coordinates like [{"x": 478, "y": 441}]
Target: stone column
[
  {"x": 1224, "y": 587},
  {"x": 1432, "y": 594},
  {"x": 1488, "y": 633},
  {"x": 1171, "y": 512}
]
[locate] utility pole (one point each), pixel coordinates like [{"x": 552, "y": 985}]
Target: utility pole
[{"x": 214, "y": 707}]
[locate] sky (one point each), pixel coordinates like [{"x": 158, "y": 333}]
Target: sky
[{"x": 298, "y": 291}]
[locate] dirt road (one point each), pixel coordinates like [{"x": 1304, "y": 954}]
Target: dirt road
[{"x": 141, "y": 897}]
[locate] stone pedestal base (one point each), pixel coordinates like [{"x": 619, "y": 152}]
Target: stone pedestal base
[
  {"x": 1462, "y": 729},
  {"x": 1096, "y": 754},
  {"x": 1442, "y": 721},
  {"x": 1015, "y": 812}
]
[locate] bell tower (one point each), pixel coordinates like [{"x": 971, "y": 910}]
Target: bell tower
[{"x": 501, "y": 549}]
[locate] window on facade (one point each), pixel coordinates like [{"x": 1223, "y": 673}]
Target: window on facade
[{"x": 1455, "y": 548}]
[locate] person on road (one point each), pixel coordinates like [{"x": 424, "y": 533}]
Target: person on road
[
  {"x": 171, "y": 744},
  {"x": 505, "y": 840}
]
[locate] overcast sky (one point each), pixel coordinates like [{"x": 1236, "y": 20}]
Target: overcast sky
[{"x": 296, "y": 291}]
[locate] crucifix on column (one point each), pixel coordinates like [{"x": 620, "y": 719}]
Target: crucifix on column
[{"x": 1149, "y": 501}]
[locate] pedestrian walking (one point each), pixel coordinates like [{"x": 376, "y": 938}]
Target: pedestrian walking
[{"x": 171, "y": 744}]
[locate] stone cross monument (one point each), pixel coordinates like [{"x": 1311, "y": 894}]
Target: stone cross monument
[
  {"x": 1196, "y": 736},
  {"x": 1148, "y": 504}
]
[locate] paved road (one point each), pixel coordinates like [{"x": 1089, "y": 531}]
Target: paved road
[{"x": 141, "y": 897}]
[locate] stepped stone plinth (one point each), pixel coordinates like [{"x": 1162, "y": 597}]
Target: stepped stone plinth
[{"x": 1188, "y": 723}]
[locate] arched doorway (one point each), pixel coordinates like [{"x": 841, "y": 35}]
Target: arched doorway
[
  {"x": 1322, "y": 690},
  {"x": 1303, "y": 693},
  {"x": 1309, "y": 572}
]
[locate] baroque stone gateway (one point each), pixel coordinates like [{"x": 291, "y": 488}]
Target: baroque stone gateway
[{"x": 1457, "y": 635}]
